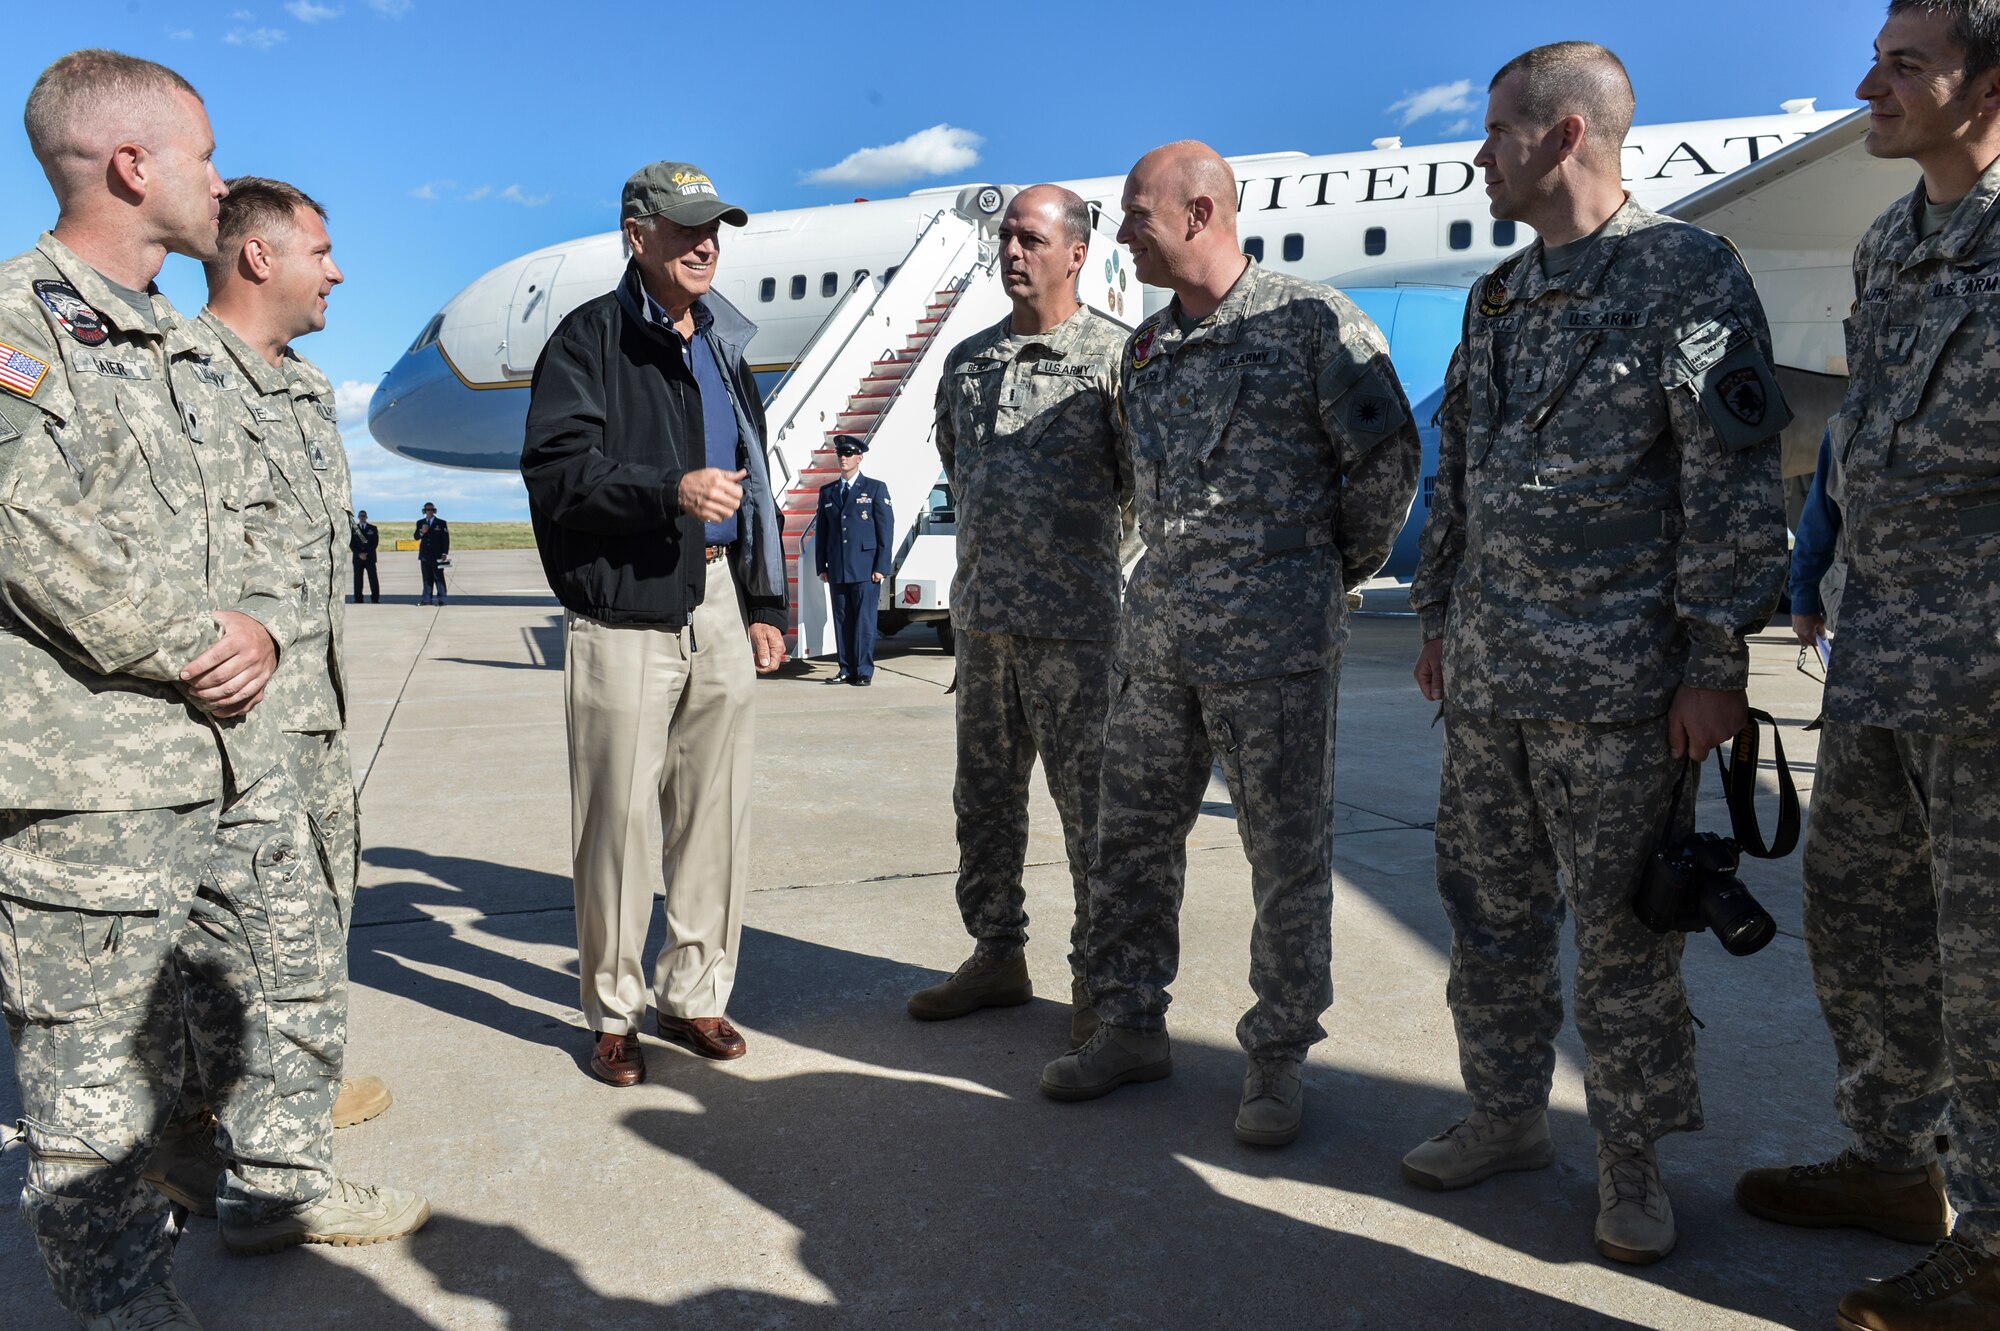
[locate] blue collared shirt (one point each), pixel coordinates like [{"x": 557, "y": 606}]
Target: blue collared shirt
[{"x": 718, "y": 414}]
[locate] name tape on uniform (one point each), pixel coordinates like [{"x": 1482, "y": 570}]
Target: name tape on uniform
[{"x": 89, "y": 363}]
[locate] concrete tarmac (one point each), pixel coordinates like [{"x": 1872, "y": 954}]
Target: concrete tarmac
[{"x": 859, "y": 1169}]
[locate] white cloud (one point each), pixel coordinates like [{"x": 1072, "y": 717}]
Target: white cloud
[
  {"x": 242, "y": 16},
  {"x": 429, "y": 189},
  {"x": 475, "y": 195},
  {"x": 1441, "y": 99},
  {"x": 391, "y": 8},
  {"x": 513, "y": 194},
  {"x": 261, "y": 38},
  {"x": 936, "y": 151},
  {"x": 181, "y": 35},
  {"x": 305, "y": 11},
  {"x": 350, "y": 403},
  {"x": 1465, "y": 126}
]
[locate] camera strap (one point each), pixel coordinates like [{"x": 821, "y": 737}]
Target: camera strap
[{"x": 1739, "y": 786}]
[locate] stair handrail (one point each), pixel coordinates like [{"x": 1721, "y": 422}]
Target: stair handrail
[{"x": 779, "y": 430}]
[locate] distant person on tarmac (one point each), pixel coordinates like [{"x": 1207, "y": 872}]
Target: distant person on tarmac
[
  {"x": 856, "y": 534},
  {"x": 364, "y": 541},
  {"x": 658, "y": 531},
  {"x": 1027, "y": 429},
  {"x": 433, "y": 553}
]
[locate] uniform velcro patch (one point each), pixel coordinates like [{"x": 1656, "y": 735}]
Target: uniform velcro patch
[{"x": 20, "y": 372}]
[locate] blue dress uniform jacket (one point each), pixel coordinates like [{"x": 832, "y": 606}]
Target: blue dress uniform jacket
[{"x": 857, "y": 531}]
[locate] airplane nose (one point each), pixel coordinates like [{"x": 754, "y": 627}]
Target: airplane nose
[{"x": 423, "y": 411}]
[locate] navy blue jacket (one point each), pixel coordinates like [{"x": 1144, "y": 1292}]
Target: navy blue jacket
[
  {"x": 433, "y": 538},
  {"x": 856, "y": 531}
]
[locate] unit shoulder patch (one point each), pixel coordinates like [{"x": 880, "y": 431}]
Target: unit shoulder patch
[
  {"x": 1712, "y": 341},
  {"x": 73, "y": 312},
  {"x": 1142, "y": 345}
]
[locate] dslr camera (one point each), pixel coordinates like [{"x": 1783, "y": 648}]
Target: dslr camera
[{"x": 1691, "y": 887}]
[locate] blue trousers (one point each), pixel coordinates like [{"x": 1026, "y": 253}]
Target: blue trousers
[
  {"x": 854, "y": 626},
  {"x": 433, "y": 578}
]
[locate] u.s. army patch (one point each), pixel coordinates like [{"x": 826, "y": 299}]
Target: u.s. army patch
[
  {"x": 20, "y": 372},
  {"x": 1067, "y": 369},
  {"x": 1234, "y": 359}
]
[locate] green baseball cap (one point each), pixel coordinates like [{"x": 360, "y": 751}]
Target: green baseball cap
[{"x": 679, "y": 192}]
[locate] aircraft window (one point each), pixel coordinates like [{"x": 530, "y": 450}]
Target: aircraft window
[
  {"x": 1503, "y": 234},
  {"x": 767, "y": 289},
  {"x": 1461, "y": 235},
  {"x": 1295, "y": 247},
  {"x": 890, "y": 272},
  {"x": 1375, "y": 240},
  {"x": 798, "y": 286},
  {"x": 829, "y": 284},
  {"x": 429, "y": 335},
  {"x": 1254, "y": 247}
]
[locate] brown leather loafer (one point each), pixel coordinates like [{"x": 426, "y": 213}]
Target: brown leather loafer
[
  {"x": 711, "y": 1037},
  {"x": 617, "y": 1061}
]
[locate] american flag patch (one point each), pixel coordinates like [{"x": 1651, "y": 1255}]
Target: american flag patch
[{"x": 20, "y": 372}]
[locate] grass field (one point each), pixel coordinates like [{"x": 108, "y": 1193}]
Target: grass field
[{"x": 465, "y": 535}]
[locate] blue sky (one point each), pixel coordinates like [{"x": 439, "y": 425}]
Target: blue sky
[{"x": 448, "y": 138}]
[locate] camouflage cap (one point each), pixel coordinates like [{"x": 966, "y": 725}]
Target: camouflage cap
[{"x": 679, "y": 192}]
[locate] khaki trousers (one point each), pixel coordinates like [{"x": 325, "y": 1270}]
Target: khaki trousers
[{"x": 660, "y": 731}]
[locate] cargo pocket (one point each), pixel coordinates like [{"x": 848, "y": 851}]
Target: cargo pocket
[
  {"x": 291, "y": 894},
  {"x": 78, "y": 940}
]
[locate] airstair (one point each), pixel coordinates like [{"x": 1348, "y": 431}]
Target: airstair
[{"x": 872, "y": 370}]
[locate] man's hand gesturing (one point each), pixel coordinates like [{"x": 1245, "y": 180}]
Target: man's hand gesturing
[{"x": 711, "y": 494}]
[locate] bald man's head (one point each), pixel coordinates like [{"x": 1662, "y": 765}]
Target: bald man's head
[
  {"x": 1065, "y": 206},
  {"x": 1190, "y": 170},
  {"x": 1180, "y": 213}
]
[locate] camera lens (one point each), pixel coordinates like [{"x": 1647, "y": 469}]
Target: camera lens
[{"x": 1741, "y": 925}]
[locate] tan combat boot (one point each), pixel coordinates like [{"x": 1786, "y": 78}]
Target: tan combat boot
[
  {"x": 1956, "y": 1288},
  {"x": 1082, "y": 1016},
  {"x": 349, "y": 1216},
  {"x": 1903, "y": 1204},
  {"x": 1479, "y": 1146},
  {"x": 1274, "y": 1101},
  {"x": 360, "y": 1099},
  {"x": 1112, "y": 1057},
  {"x": 186, "y": 1167},
  {"x": 981, "y": 982},
  {"x": 1635, "y": 1221}
]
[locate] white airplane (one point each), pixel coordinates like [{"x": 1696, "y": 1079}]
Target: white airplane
[{"x": 1794, "y": 190}]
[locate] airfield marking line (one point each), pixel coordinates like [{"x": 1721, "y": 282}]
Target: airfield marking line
[{"x": 396, "y": 706}]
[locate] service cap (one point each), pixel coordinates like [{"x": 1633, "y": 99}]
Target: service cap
[{"x": 679, "y": 192}]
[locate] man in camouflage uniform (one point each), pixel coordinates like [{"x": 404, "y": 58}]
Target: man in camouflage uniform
[
  {"x": 135, "y": 554},
  {"x": 1607, "y": 529},
  {"x": 268, "y": 285},
  {"x": 1273, "y": 461},
  {"x": 1027, "y": 427},
  {"x": 146, "y": 592},
  {"x": 1902, "y": 854}
]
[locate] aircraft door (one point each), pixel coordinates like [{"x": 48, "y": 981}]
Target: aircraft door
[{"x": 528, "y": 321}]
